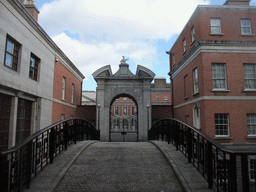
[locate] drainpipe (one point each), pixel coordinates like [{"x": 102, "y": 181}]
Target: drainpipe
[{"x": 171, "y": 79}]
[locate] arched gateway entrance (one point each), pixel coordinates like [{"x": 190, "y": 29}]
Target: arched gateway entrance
[{"x": 131, "y": 119}]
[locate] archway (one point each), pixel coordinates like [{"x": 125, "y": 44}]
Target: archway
[
  {"x": 123, "y": 116},
  {"x": 123, "y": 84}
]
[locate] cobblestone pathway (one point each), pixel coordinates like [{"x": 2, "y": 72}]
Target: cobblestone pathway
[{"x": 111, "y": 167}]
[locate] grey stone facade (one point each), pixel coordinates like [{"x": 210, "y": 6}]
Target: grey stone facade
[{"x": 123, "y": 83}]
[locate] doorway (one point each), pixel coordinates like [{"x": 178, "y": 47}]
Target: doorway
[{"x": 123, "y": 119}]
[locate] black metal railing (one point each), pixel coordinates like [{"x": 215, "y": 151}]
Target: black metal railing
[
  {"x": 23, "y": 162},
  {"x": 223, "y": 169}
]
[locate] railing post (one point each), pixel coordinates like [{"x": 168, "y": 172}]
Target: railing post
[
  {"x": 190, "y": 146},
  {"x": 29, "y": 164},
  {"x": 245, "y": 173},
  {"x": 75, "y": 131},
  {"x": 209, "y": 165},
  {"x": 3, "y": 176},
  {"x": 65, "y": 136},
  {"x": 233, "y": 173},
  {"x": 52, "y": 145},
  {"x": 177, "y": 128}
]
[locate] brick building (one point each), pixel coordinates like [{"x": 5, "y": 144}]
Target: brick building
[
  {"x": 160, "y": 100},
  {"x": 213, "y": 72},
  {"x": 32, "y": 68}
]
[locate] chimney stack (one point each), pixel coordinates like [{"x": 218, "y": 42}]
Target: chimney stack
[
  {"x": 30, "y": 6},
  {"x": 237, "y": 2}
]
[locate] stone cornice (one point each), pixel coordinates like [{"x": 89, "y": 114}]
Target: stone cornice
[
  {"x": 229, "y": 98},
  {"x": 211, "y": 46},
  {"x": 21, "y": 9}
]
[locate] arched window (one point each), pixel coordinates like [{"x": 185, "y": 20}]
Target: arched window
[{"x": 196, "y": 115}]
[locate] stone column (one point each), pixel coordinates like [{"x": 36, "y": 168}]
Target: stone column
[{"x": 13, "y": 121}]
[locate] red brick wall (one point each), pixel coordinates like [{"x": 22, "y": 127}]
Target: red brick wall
[
  {"x": 230, "y": 27},
  {"x": 161, "y": 111},
  {"x": 87, "y": 112},
  {"x": 161, "y": 97},
  {"x": 58, "y": 109},
  {"x": 237, "y": 110}
]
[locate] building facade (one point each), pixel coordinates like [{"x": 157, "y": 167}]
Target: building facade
[
  {"x": 213, "y": 70},
  {"x": 28, "y": 71},
  {"x": 161, "y": 100}
]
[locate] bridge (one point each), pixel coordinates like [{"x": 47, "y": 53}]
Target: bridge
[{"x": 68, "y": 156}]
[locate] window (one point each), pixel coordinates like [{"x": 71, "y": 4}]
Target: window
[
  {"x": 62, "y": 117},
  {"x": 196, "y": 115},
  {"x": 250, "y": 76},
  {"x": 195, "y": 80},
  {"x": 72, "y": 93},
  {"x": 184, "y": 45},
  {"x": 173, "y": 59},
  {"x": 63, "y": 88},
  {"x": 133, "y": 110},
  {"x": 246, "y": 26},
  {"x": 116, "y": 110},
  {"x": 11, "y": 53},
  {"x": 192, "y": 34},
  {"x": 251, "y": 124},
  {"x": 185, "y": 86},
  {"x": 125, "y": 98},
  {"x": 215, "y": 26},
  {"x": 219, "y": 76},
  {"x": 125, "y": 111},
  {"x": 157, "y": 98},
  {"x": 33, "y": 69},
  {"x": 221, "y": 125},
  {"x": 252, "y": 169},
  {"x": 165, "y": 98}
]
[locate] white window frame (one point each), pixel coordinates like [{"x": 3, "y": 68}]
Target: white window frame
[
  {"x": 215, "y": 25},
  {"x": 221, "y": 123},
  {"x": 125, "y": 107},
  {"x": 219, "y": 76},
  {"x": 134, "y": 110},
  {"x": 196, "y": 116},
  {"x": 252, "y": 158},
  {"x": 72, "y": 93},
  {"x": 193, "y": 34},
  {"x": 249, "y": 76},
  {"x": 245, "y": 27},
  {"x": 184, "y": 45},
  {"x": 116, "y": 109},
  {"x": 165, "y": 98},
  {"x": 173, "y": 59},
  {"x": 63, "y": 95},
  {"x": 195, "y": 80},
  {"x": 251, "y": 124}
]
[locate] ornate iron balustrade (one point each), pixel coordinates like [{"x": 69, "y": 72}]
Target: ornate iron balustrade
[
  {"x": 223, "y": 169},
  {"x": 23, "y": 162}
]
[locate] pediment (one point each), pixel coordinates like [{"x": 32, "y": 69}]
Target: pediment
[
  {"x": 144, "y": 72},
  {"x": 103, "y": 72}
]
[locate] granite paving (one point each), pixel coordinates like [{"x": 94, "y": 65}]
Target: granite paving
[{"x": 120, "y": 166}]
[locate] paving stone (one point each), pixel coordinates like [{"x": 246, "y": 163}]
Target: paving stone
[{"x": 137, "y": 166}]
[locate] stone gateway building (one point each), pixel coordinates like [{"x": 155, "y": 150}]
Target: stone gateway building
[{"x": 123, "y": 84}]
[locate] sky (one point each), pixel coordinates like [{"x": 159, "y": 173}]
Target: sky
[{"x": 95, "y": 33}]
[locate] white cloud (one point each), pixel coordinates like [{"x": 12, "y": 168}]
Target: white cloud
[
  {"x": 90, "y": 57},
  {"x": 108, "y": 30},
  {"x": 118, "y": 20}
]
